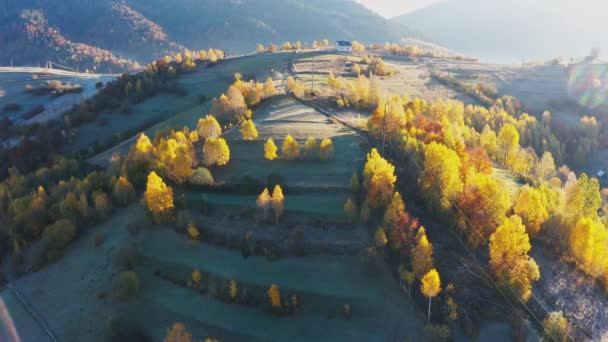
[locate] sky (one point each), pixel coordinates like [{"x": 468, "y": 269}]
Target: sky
[{"x": 393, "y": 8}]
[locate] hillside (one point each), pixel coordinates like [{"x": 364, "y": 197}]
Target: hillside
[
  {"x": 142, "y": 30},
  {"x": 512, "y": 31}
]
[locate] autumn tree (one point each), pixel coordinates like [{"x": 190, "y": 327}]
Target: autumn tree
[
  {"x": 269, "y": 88},
  {"x": 482, "y": 207},
  {"x": 430, "y": 287},
  {"x": 588, "y": 244},
  {"x": 311, "y": 148},
  {"x": 277, "y": 201},
  {"x": 208, "y": 128},
  {"x": 290, "y": 148},
  {"x": 440, "y": 180},
  {"x": 509, "y": 260},
  {"x": 380, "y": 237},
  {"x": 270, "y": 149},
  {"x": 532, "y": 208},
  {"x": 395, "y": 209},
  {"x": 263, "y": 202},
  {"x": 216, "y": 152},
  {"x": 487, "y": 141},
  {"x": 178, "y": 333},
  {"x": 350, "y": 209},
  {"x": 507, "y": 141},
  {"x": 582, "y": 199},
  {"x": 260, "y": 48},
  {"x": 379, "y": 179},
  {"x": 326, "y": 151},
  {"x": 248, "y": 130},
  {"x": 158, "y": 197},
  {"x": 556, "y": 327},
  {"x": 274, "y": 295},
  {"x": 176, "y": 158},
  {"x": 123, "y": 191},
  {"x": 422, "y": 254}
]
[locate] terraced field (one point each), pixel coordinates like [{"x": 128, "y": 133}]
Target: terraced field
[{"x": 279, "y": 117}]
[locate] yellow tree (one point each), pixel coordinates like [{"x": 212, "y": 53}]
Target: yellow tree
[
  {"x": 248, "y": 130},
  {"x": 274, "y": 295},
  {"x": 440, "y": 181},
  {"x": 556, "y": 327},
  {"x": 395, "y": 209},
  {"x": 260, "y": 48},
  {"x": 531, "y": 207},
  {"x": 380, "y": 237},
  {"x": 290, "y": 149},
  {"x": 507, "y": 142},
  {"x": 311, "y": 148},
  {"x": 178, "y": 333},
  {"x": 588, "y": 244},
  {"x": 143, "y": 148},
  {"x": 269, "y": 88},
  {"x": 326, "y": 149},
  {"x": 212, "y": 56},
  {"x": 350, "y": 209},
  {"x": 216, "y": 152},
  {"x": 422, "y": 254},
  {"x": 277, "y": 201},
  {"x": 379, "y": 179},
  {"x": 158, "y": 197},
  {"x": 233, "y": 290},
  {"x": 123, "y": 191},
  {"x": 509, "y": 260},
  {"x": 208, "y": 128},
  {"x": 270, "y": 149},
  {"x": 263, "y": 201},
  {"x": 430, "y": 287}
]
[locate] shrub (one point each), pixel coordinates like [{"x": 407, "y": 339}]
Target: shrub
[
  {"x": 127, "y": 257},
  {"x": 201, "y": 176},
  {"x": 127, "y": 285},
  {"x": 59, "y": 235}
]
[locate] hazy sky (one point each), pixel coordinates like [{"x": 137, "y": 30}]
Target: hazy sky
[{"x": 393, "y": 8}]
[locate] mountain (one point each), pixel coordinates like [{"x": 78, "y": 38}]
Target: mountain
[
  {"x": 142, "y": 30},
  {"x": 515, "y": 30}
]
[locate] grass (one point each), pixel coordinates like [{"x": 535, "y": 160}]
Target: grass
[{"x": 282, "y": 116}]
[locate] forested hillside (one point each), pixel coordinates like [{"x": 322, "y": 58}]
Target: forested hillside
[{"x": 142, "y": 30}]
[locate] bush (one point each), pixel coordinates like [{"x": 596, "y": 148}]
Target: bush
[
  {"x": 127, "y": 257},
  {"x": 201, "y": 176},
  {"x": 127, "y": 285},
  {"x": 59, "y": 235}
]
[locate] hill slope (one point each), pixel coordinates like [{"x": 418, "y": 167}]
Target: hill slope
[
  {"x": 142, "y": 30},
  {"x": 509, "y": 31}
]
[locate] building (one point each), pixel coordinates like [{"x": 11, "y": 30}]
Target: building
[{"x": 344, "y": 46}]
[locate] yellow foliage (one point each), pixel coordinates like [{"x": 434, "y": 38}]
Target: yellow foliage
[
  {"x": 263, "y": 201},
  {"x": 233, "y": 290},
  {"x": 196, "y": 276},
  {"x": 290, "y": 148},
  {"x": 193, "y": 231},
  {"x": 216, "y": 152},
  {"x": 379, "y": 179},
  {"x": 311, "y": 148},
  {"x": 395, "y": 209},
  {"x": 380, "y": 237},
  {"x": 509, "y": 247},
  {"x": 270, "y": 150},
  {"x": 422, "y": 254},
  {"x": 326, "y": 149},
  {"x": 277, "y": 201},
  {"x": 531, "y": 207},
  {"x": 248, "y": 130},
  {"x": 350, "y": 209},
  {"x": 440, "y": 180},
  {"x": 208, "y": 127},
  {"x": 260, "y": 48},
  {"x": 431, "y": 284},
  {"x": 588, "y": 244},
  {"x": 178, "y": 333},
  {"x": 158, "y": 197},
  {"x": 275, "y": 296}
]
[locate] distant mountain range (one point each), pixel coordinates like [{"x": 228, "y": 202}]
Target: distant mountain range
[
  {"x": 514, "y": 30},
  {"x": 105, "y": 34}
]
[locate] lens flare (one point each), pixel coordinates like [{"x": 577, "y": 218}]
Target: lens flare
[
  {"x": 8, "y": 332},
  {"x": 588, "y": 84}
]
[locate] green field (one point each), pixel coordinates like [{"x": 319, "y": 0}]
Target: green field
[{"x": 276, "y": 119}]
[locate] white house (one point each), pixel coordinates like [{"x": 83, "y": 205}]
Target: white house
[{"x": 344, "y": 46}]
